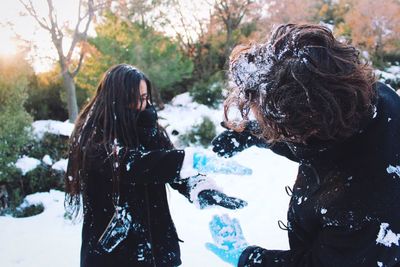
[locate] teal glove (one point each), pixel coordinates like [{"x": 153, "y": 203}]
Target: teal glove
[
  {"x": 211, "y": 164},
  {"x": 228, "y": 238}
]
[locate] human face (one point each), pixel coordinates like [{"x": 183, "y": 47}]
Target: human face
[{"x": 143, "y": 95}]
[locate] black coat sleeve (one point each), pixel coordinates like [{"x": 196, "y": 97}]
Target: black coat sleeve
[
  {"x": 155, "y": 166},
  {"x": 334, "y": 246},
  {"x": 283, "y": 149},
  {"x": 182, "y": 186},
  {"x": 134, "y": 166}
]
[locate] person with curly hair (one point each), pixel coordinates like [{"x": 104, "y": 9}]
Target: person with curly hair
[{"x": 315, "y": 102}]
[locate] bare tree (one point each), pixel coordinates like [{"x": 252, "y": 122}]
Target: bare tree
[
  {"x": 145, "y": 12},
  {"x": 286, "y": 11},
  {"x": 232, "y": 13},
  {"x": 69, "y": 70},
  {"x": 187, "y": 23}
]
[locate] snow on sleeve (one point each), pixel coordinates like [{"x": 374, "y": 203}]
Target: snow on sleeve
[
  {"x": 386, "y": 237},
  {"x": 60, "y": 165},
  {"x": 199, "y": 183},
  {"x": 41, "y": 127},
  {"x": 27, "y": 164},
  {"x": 393, "y": 169}
]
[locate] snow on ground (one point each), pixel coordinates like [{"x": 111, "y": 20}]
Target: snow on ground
[
  {"x": 182, "y": 114},
  {"x": 60, "y": 165},
  {"x": 48, "y": 239},
  {"x": 44, "y": 240}
]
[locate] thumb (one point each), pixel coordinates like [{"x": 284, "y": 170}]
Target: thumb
[
  {"x": 215, "y": 249},
  {"x": 232, "y": 203},
  {"x": 223, "y": 124}
]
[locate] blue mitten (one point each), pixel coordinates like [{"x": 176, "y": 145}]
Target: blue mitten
[
  {"x": 228, "y": 238},
  {"x": 211, "y": 164}
]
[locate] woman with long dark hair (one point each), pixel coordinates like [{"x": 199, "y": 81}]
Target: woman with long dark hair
[{"x": 120, "y": 160}]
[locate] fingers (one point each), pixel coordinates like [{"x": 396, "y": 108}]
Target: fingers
[
  {"x": 223, "y": 124},
  {"x": 232, "y": 203},
  {"x": 238, "y": 228},
  {"x": 215, "y": 226},
  {"x": 215, "y": 249}
]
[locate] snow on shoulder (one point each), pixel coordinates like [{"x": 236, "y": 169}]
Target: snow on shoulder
[
  {"x": 51, "y": 126},
  {"x": 386, "y": 237}
]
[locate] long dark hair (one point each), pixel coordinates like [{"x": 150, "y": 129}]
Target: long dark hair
[
  {"x": 106, "y": 120},
  {"x": 302, "y": 84}
]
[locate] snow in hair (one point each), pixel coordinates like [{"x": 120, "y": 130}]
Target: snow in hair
[{"x": 248, "y": 71}]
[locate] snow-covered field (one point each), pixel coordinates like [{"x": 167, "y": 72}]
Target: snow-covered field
[{"x": 48, "y": 239}]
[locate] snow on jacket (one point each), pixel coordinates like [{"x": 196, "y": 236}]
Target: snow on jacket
[
  {"x": 345, "y": 204},
  {"x": 142, "y": 187}
]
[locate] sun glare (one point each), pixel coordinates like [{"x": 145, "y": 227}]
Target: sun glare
[{"x": 7, "y": 46}]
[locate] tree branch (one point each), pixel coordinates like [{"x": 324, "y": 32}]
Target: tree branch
[
  {"x": 75, "y": 72},
  {"x": 32, "y": 11}
]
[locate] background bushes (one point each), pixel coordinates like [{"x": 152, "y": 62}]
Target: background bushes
[{"x": 201, "y": 134}]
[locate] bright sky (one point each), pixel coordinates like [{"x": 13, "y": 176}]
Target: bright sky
[{"x": 43, "y": 54}]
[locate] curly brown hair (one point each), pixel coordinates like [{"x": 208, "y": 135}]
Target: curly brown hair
[{"x": 302, "y": 84}]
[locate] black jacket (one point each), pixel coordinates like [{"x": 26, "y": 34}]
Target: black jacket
[
  {"x": 142, "y": 188},
  {"x": 345, "y": 205}
]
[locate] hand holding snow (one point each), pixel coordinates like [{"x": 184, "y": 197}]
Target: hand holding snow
[
  {"x": 213, "y": 197},
  {"x": 228, "y": 238}
]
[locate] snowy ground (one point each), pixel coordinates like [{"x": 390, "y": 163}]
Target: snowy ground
[{"x": 48, "y": 239}]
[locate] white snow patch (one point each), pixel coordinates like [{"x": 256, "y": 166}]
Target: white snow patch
[
  {"x": 235, "y": 142},
  {"x": 394, "y": 70},
  {"x": 393, "y": 169},
  {"x": 375, "y": 112},
  {"x": 27, "y": 164},
  {"x": 51, "y": 126},
  {"x": 60, "y": 165},
  {"x": 47, "y": 160},
  {"x": 182, "y": 100},
  {"x": 181, "y": 115},
  {"x": 386, "y": 237}
]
